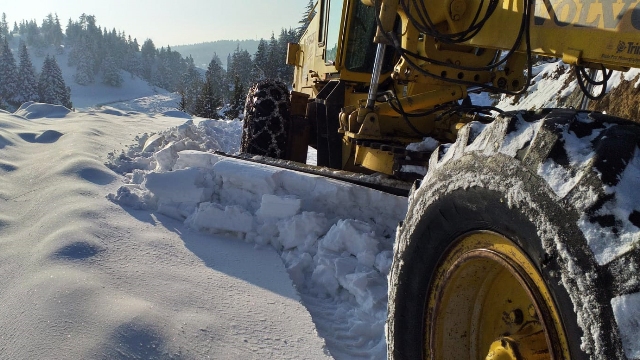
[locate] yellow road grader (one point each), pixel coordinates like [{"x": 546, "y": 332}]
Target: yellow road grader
[{"x": 520, "y": 241}]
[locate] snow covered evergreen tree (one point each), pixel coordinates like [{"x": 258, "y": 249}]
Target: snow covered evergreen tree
[
  {"x": 132, "y": 61},
  {"x": 208, "y": 102},
  {"x": 285, "y": 72},
  {"x": 110, "y": 72},
  {"x": 83, "y": 57},
  {"x": 34, "y": 37},
  {"x": 175, "y": 66},
  {"x": 190, "y": 86},
  {"x": 8, "y": 75},
  {"x": 73, "y": 32},
  {"x": 240, "y": 66},
  {"x": 27, "y": 89},
  {"x": 215, "y": 76},
  {"x": 57, "y": 37},
  {"x": 148, "y": 56},
  {"x": 51, "y": 86},
  {"x": 260, "y": 58},
  {"x": 306, "y": 19},
  {"x": 273, "y": 58},
  {"x": 236, "y": 105},
  {"x": 4, "y": 26},
  {"x": 182, "y": 104}
]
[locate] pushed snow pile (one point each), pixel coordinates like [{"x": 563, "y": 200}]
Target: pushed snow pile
[
  {"x": 161, "y": 150},
  {"x": 335, "y": 239},
  {"x": 31, "y": 110}
]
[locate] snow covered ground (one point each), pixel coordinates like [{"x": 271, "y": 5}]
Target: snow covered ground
[{"x": 86, "y": 278}]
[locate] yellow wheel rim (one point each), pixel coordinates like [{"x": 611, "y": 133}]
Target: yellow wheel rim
[{"x": 488, "y": 301}]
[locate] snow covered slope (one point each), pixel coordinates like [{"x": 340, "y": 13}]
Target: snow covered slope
[{"x": 96, "y": 94}]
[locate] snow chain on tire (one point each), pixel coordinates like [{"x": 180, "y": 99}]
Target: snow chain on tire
[
  {"x": 553, "y": 181},
  {"x": 266, "y": 119}
]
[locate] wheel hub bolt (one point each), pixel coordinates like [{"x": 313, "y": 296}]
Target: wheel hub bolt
[{"x": 516, "y": 317}]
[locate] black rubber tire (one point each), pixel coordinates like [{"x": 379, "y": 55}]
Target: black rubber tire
[
  {"x": 266, "y": 119},
  {"x": 475, "y": 184}
]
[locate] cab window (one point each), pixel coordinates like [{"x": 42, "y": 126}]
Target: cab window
[
  {"x": 334, "y": 17},
  {"x": 360, "y": 48}
]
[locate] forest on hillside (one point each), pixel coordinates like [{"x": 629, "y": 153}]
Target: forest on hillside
[{"x": 98, "y": 53}]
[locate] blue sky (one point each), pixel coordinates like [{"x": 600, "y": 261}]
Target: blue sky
[{"x": 170, "y": 22}]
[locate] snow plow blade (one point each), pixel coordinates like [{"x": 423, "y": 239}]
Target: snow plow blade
[{"x": 387, "y": 185}]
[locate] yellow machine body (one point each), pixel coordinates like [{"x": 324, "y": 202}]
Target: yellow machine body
[{"x": 338, "y": 45}]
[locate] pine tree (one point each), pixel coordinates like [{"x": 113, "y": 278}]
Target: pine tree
[
  {"x": 208, "y": 101},
  {"x": 215, "y": 76},
  {"x": 4, "y": 26},
  {"x": 73, "y": 33},
  {"x": 57, "y": 35},
  {"x": 34, "y": 36},
  {"x": 241, "y": 65},
  {"x": 111, "y": 73},
  {"x": 63, "y": 92},
  {"x": 182, "y": 105},
  {"x": 260, "y": 62},
  {"x": 27, "y": 83},
  {"x": 285, "y": 72},
  {"x": 162, "y": 77},
  {"x": 46, "y": 84},
  {"x": 8, "y": 75},
  {"x": 175, "y": 65},
  {"x": 237, "y": 99},
  {"x": 51, "y": 86},
  {"x": 190, "y": 86},
  {"x": 132, "y": 62},
  {"x": 309, "y": 13},
  {"x": 84, "y": 61},
  {"x": 148, "y": 54},
  {"x": 47, "y": 29},
  {"x": 273, "y": 58}
]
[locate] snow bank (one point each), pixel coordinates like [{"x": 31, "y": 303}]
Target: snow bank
[
  {"x": 335, "y": 239},
  {"x": 32, "y": 110},
  {"x": 160, "y": 149}
]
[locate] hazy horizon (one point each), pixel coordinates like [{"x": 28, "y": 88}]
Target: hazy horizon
[{"x": 165, "y": 22}]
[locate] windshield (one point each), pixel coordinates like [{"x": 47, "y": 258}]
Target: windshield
[
  {"x": 333, "y": 30},
  {"x": 360, "y": 48}
]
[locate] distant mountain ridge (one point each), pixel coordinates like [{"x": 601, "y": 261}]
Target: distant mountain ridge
[{"x": 203, "y": 52}]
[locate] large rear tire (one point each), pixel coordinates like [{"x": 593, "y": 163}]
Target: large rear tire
[
  {"x": 493, "y": 242},
  {"x": 266, "y": 119}
]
